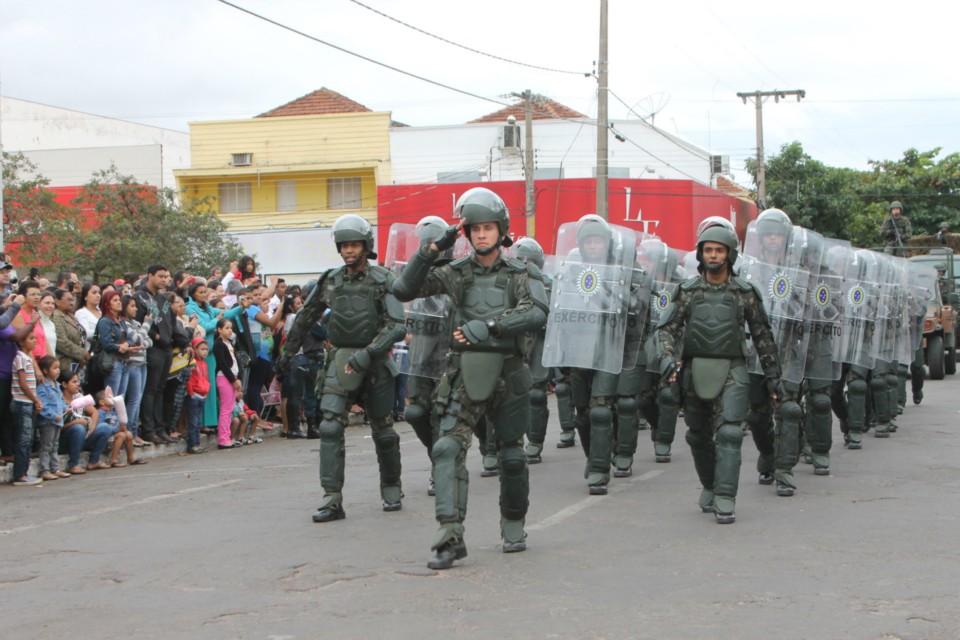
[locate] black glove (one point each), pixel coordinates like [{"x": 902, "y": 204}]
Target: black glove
[
  {"x": 475, "y": 331},
  {"x": 360, "y": 361},
  {"x": 667, "y": 366},
  {"x": 448, "y": 238}
]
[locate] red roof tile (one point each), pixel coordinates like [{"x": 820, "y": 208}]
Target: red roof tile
[
  {"x": 731, "y": 188},
  {"x": 321, "y": 101},
  {"x": 543, "y": 109}
]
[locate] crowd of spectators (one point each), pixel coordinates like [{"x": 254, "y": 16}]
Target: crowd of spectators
[{"x": 110, "y": 367}]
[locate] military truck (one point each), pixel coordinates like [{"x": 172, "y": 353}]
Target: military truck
[{"x": 940, "y": 325}]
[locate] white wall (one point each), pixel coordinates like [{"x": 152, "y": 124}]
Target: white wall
[
  {"x": 418, "y": 154},
  {"x": 30, "y": 126},
  {"x": 298, "y": 255}
]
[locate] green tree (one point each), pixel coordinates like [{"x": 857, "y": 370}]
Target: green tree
[
  {"x": 37, "y": 229},
  {"x": 139, "y": 225}
]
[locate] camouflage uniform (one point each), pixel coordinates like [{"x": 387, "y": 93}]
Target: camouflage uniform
[
  {"x": 705, "y": 328},
  {"x": 896, "y": 232}
]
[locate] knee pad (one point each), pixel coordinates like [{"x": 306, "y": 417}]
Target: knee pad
[
  {"x": 627, "y": 404},
  {"x": 446, "y": 448},
  {"x": 385, "y": 438},
  {"x": 878, "y": 384},
  {"x": 330, "y": 429},
  {"x": 729, "y": 435},
  {"x": 538, "y": 397},
  {"x": 601, "y": 416},
  {"x": 857, "y": 388},
  {"x": 562, "y": 390},
  {"x": 791, "y": 412},
  {"x": 667, "y": 397},
  {"x": 820, "y": 404},
  {"x": 758, "y": 418},
  {"x": 512, "y": 461}
]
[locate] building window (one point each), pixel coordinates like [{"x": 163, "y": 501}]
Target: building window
[
  {"x": 236, "y": 197},
  {"x": 286, "y": 195},
  {"x": 343, "y": 193}
]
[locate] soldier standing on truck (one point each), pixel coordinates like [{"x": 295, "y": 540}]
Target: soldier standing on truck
[{"x": 896, "y": 231}]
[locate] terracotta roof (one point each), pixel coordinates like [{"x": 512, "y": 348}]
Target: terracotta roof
[
  {"x": 543, "y": 109},
  {"x": 731, "y": 188},
  {"x": 321, "y": 101}
]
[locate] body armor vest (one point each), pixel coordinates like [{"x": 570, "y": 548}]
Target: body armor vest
[
  {"x": 484, "y": 297},
  {"x": 714, "y": 328},
  {"x": 355, "y": 315}
]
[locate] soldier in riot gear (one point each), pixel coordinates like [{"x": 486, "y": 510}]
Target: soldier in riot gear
[
  {"x": 365, "y": 320},
  {"x": 606, "y": 408},
  {"x": 896, "y": 231},
  {"x": 497, "y": 303},
  {"x": 773, "y": 227},
  {"x": 702, "y": 343}
]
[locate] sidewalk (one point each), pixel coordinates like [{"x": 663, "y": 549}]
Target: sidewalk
[{"x": 147, "y": 453}]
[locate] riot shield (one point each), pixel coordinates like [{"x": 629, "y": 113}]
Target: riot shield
[
  {"x": 427, "y": 319},
  {"x": 887, "y": 310},
  {"x": 664, "y": 267},
  {"x": 923, "y": 292},
  {"x": 824, "y": 312},
  {"x": 861, "y": 300},
  {"x": 590, "y": 300},
  {"x": 901, "y": 300},
  {"x": 783, "y": 267}
]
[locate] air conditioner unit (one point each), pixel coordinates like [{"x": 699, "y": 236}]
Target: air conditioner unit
[
  {"x": 241, "y": 159},
  {"x": 511, "y": 136},
  {"x": 719, "y": 164}
]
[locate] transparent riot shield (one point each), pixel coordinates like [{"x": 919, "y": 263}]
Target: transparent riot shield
[
  {"x": 861, "y": 301},
  {"x": 664, "y": 267},
  {"x": 590, "y": 300},
  {"x": 887, "y": 310},
  {"x": 534, "y": 359},
  {"x": 824, "y": 312},
  {"x": 923, "y": 293},
  {"x": 783, "y": 267},
  {"x": 903, "y": 350},
  {"x": 427, "y": 319}
]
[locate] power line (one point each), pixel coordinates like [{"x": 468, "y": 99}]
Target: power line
[{"x": 457, "y": 44}]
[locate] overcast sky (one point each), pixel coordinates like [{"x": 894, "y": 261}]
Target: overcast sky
[{"x": 880, "y": 77}]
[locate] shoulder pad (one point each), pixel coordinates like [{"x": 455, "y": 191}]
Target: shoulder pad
[
  {"x": 745, "y": 285},
  {"x": 514, "y": 264},
  {"x": 534, "y": 271},
  {"x": 690, "y": 283},
  {"x": 460, "y": 262},
  {"x": 379, "y": 274}
]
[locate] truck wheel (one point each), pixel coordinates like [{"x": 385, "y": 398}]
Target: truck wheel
[
  {"x": 950, "y": 363},
  {"x": 935, "y": 357}
]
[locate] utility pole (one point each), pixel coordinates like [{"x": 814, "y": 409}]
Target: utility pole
[
  {"x": 602, "y": 159},
  {"x": 528, "y": 163},
  {"x": 758, "y": 97},
  {"x": 530, "y": 212}
]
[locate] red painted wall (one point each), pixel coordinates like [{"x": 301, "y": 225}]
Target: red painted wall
[{"x": 671, "y": 209}]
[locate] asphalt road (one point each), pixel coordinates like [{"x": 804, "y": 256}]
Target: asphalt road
[{"x": 222, "y": 546}]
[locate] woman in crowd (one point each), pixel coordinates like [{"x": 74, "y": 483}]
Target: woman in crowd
[
  {"x": 261, "y": 332},
  {"x": 30, "y": 290},
  {"x": 88, "y": 313},
  {"x": 112, "y": 334},
  {"x": 289, "y": 390},
  {"x": 136, "y": 366},
  {"x": 184, "y": 331},
  {"x": 71, "y": 337},
  {"x": 79, "y": 428},
  {"x": 47, "y": 306}
]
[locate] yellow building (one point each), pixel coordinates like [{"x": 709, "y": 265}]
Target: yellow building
[{"x": 301, "y": 165}]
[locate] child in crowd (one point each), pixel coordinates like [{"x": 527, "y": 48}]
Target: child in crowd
[
  {"x": 109, "y": 409},
  {"x": 79, "y": 425},
  {"x": 198, "y": 388},
  {"x": 25, "y": 402},
  {"x": 228, "y": 382},
  {"x": 239, "y": 423},
  {"x": 50, "y": 419}
]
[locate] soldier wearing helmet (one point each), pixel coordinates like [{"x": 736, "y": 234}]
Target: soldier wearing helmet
[
  {"x": 365, "y": 321},
  {"x": 703, "y": 346},
  {"x": 896, "y": 231},
  {"x": 497, "y": 303}
]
